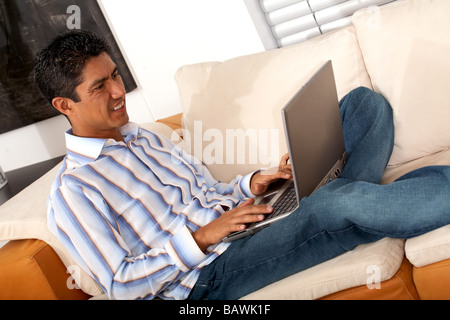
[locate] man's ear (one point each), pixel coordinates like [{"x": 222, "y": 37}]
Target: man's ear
[{"x": 63, "y": 105}]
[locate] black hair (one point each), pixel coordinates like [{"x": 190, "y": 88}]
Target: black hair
[{"x": 59, "y": 65}]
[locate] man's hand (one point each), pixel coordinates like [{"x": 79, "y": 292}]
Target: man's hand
[
  {"x": 231, "y": 221},
  {"x": 260, "y": 181},
  {"x": 237, "y": 218}
]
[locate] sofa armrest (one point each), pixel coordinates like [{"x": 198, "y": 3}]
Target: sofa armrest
[
  {"x": 31, "y": 270},
  {"x": 173, "y": 122}
]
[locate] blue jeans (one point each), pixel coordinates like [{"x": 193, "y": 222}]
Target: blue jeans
[{"x": 352, "y": 210}]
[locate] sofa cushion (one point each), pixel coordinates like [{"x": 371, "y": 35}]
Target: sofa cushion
[
  {"x": 405, "y": 47},
  {"x": 393, "y": 172},
  {"x": 31, "y": 270},
  {"x": 399, "y": 287},
  {"x": 432, "y": 281},
  {"x": 245, "y": 95},
  {"x": 366, "y": 265},
  {"x": 429, "y": 248}
]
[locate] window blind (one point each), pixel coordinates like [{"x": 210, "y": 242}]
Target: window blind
[{"x": 282, "y": 23}]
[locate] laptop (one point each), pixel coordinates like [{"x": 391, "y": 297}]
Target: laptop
[{"x": 315, "y": 139}]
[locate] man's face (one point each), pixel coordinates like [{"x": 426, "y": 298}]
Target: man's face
[{"x": 101, "y": 111}]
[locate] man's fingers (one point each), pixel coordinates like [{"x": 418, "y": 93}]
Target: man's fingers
[
  {"x": 247, "y": 202},
  {"x": 249, "y": 214},
  {"x": 247, "y": 208},
  {"x": 282, "y": 173},
  {"x": 254, "y": 210},
  {"x": 284, "y": 160}
]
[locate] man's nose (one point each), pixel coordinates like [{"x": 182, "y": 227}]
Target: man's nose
[{"x": 117, "y": 90}]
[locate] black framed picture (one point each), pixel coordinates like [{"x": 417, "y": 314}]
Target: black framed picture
[{"x": 25, "y": 27}]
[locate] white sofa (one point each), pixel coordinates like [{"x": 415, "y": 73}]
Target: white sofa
[{"x": 400, "y": 50}]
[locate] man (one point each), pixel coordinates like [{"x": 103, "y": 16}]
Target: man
[{"x": 145, "y": 226}]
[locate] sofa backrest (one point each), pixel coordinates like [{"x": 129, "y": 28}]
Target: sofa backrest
[
  {"x": 407, "y": 56},
  {"x": 399, "y": 50},
  {"x": 232, "y": 109}
]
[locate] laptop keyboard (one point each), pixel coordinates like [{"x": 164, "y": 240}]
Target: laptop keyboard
[{"x": 286, "y": 203}]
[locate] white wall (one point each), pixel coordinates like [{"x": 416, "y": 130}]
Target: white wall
[
  {"x": 156, "y": 37},
  {"x": 160, "y": 36}
]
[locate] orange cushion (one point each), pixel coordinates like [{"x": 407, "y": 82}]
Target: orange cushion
[
  {"x": 399, "y": 287},
  {"x": 433, "y": 281},
  {"x": 31, "y": 270}
]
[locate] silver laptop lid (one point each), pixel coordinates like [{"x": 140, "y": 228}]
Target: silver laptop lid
[{"x": 313, "y": 128}]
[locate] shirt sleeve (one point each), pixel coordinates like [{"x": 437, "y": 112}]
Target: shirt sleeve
[
  {"x": 80, "y": 219},
  {"x": 238, "y": 188},
  {"x": 184, "y": 251}
]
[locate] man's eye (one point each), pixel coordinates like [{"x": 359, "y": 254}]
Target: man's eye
[{"x": 100, "y": 87}]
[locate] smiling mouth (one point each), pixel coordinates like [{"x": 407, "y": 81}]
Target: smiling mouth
[{"x": 119, "y": 107}]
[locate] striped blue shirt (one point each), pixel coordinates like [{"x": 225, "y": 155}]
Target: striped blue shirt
[{"x": 124, "y": 211}]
